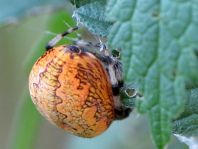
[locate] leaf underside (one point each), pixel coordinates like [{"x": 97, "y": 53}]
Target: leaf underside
[
  {"x": 79, "y": 3},
  {"x": 159, "y": 52},
  {"x": 187, "y": 123},
  {"x": 92, "y": 16}
]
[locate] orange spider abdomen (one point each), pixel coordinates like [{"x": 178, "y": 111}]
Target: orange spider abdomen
[{"x": 73, "y": 91}]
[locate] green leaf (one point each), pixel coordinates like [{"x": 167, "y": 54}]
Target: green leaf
[
  {"x": 158, "y": 41},
  {"x": 11, "y": 10},
  {"x": 187, "y": 123},
  {"x": 92, "y": 16}
]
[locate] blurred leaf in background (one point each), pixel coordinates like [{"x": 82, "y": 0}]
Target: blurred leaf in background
[
  {"x": 12, "y": 10},
  {"x": 18, "y": 55},
  {"x": 13, "y": 80}
]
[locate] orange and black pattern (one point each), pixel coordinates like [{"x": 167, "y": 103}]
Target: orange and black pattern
[{"x": 73, "y": 91}]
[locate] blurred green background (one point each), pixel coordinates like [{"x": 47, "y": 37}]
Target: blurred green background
[{"x": 21, "y": 126}]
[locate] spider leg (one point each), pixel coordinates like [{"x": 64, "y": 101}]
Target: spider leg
[
  {"x": 82, "y": 43},
  {"x": 114, "y": 69},
  {"x": 56, "y": 39}
]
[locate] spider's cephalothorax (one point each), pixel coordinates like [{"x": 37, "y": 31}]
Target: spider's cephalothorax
[
  {"x": 111, "y": 63},
  {"x": 78, "y": 89}
]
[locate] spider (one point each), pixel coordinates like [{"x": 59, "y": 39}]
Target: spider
[{"x": 111, "y": 63}]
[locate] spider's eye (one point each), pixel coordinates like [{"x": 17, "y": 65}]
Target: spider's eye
[{"x": 116, "y": 53}]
